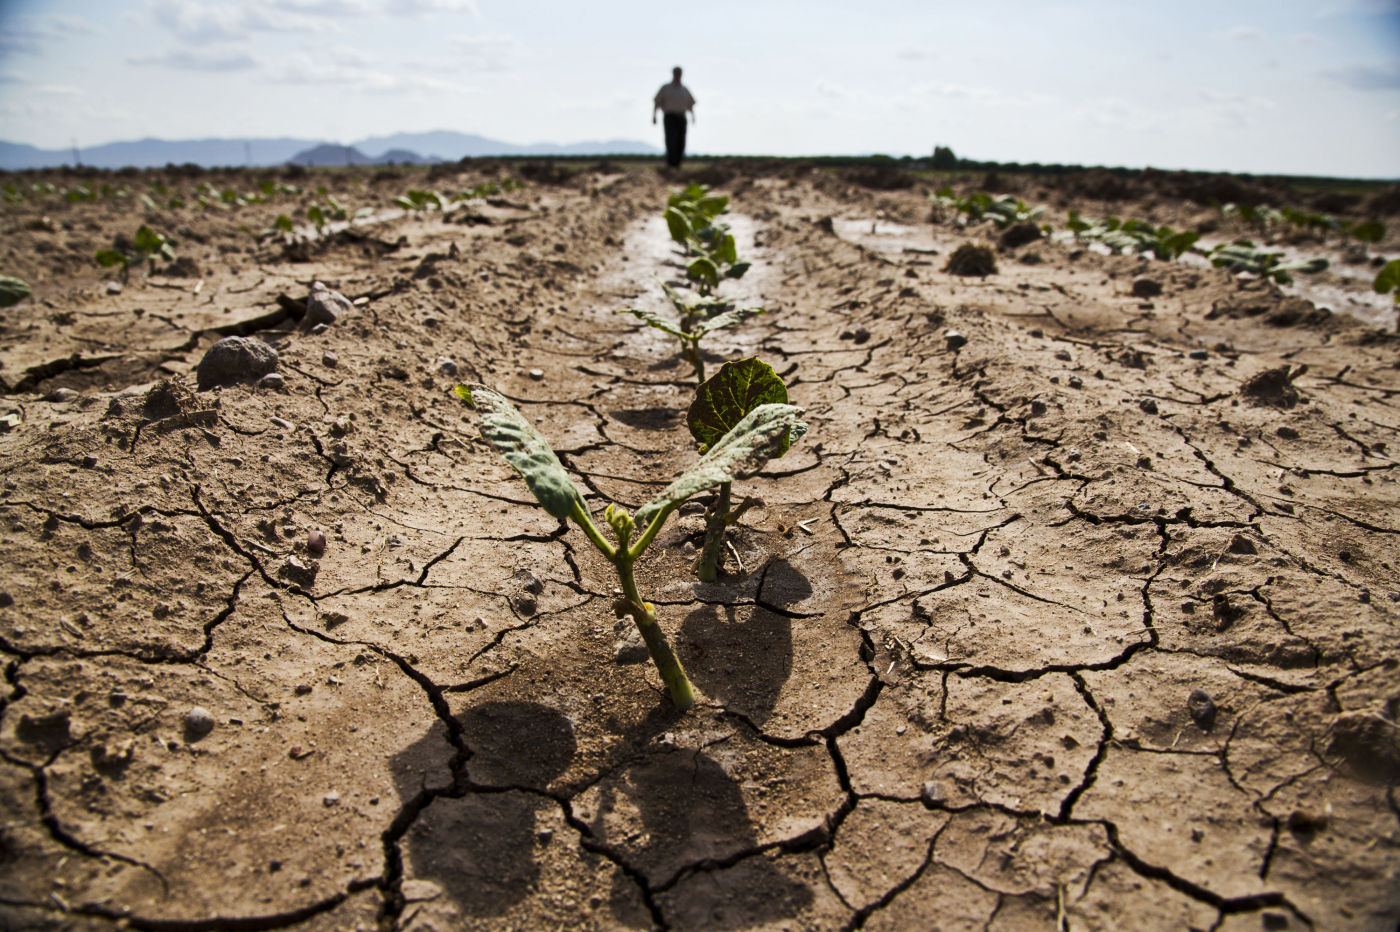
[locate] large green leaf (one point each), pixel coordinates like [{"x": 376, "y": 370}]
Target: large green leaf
[
  {"x": 12, "y": 291},
  {"x": 109, "y": 257},
  {"x": 526, "y": 451},
  {"x": 676, "y": 223},
  {"x": 1388, "y": 279},
  {"x": 653, "y": 319},
  {"x": 760, "y": 436},
  {"x": 722, "y": 401},
  {"x": 712, "y": 205},
  {"x": 727, "y": 319}
]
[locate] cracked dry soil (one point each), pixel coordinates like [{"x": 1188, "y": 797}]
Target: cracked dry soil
[{"x": 1059, "y": 629}]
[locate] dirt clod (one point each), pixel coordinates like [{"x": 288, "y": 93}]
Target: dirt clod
[
  {"x": 1146, "y": 288},
  {"x": 198, "y": 723},
  {"x": 1273, "y": 387},
  {"x": 972, "y": 259},
  {"x": 1018, "y": 235},
  {"x": 1201, "y": 707},
  {"x": 233, "y": 360}
]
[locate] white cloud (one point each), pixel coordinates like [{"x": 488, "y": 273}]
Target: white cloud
[
  {"x": 231, "y": 59},
  {"x": 356, "y": 79},
  {"x": 913, "y": 54},
  {"x": 30, "y": 35},
  {"x": 1243, "y": 34},
  {"x": 430, "y": 7},
  {"x": 1367, "y": 77},
  {"x": 199, "y": 22},
  {"x": 484, "y": 53}
]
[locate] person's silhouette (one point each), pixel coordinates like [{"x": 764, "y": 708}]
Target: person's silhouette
[{"x": 674, "y": 101}]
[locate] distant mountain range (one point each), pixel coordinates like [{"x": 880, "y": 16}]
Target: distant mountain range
[{"x": 402, "y": 148}]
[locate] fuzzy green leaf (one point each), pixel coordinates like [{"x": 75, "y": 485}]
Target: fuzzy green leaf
[
  {"x": 722, "y": 401},
  {"x": 703, "y": 270},
  {"x": 107, "y": 258},
  {"x": 1388, "y": 279},
  {"x": 676, "y": 223},
  {"x": 526, "y": 451},
  {"x": 148, "y": 241},
  {"x": 13, "y": 291},
  {"x": 1372, "y": 231},
  {"x": 743, "y": 451},
  {"x": 727, "y": 319},
  {"x": 653, "y": 319}
]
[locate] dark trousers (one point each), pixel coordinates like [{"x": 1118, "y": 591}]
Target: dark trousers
[{"x": 675, "y": 138}]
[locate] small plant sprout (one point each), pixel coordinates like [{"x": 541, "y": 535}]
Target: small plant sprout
[
  {"x": 1243, "y": 256},
  {"x": 147, "y": 245},
  {"x": 691, "y": 218},
  {"x": 694, "y": 325},
  {"x": 419, "y": 200},
  {"x": 720, "y": 404},
  {"x": 1388, "y": 280},
  {"x": 741, "y": 452}
]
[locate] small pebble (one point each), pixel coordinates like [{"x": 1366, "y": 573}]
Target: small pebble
[
  {"x": 114, "y": 287},
  {"x": 273, "y": 381},
  {"x": 329, "y": 359},
  {"x": 932, "y": 794},
  {"x": 1038, "y": 407},
  {"x": 89, "y": 462},
  {"x": 316, "y": 542},
  {"x": 537, "y": 374},
  {"x": 1147, "y": 406},
  {"x": 954, "y": 339},
  {"x": 198, "y": 722},
  {"x": 330, "y": 799},
  {"x": 1199, "y": 354},
  {"x": 545, "y": 835},
  {"x": 281, "y": 422},
  {"x": 62, "y": 395},
  {"x": 1076, "y": 382},
  {"x": 446, "y": 366},
  {"x": 528, "y": 581}
]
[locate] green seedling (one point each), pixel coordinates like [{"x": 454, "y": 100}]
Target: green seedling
[
  {"x": 1388, "y": 280},
  {"x": 418, "y": 200},
  {"x": 691, "y": 219},
  {"x": 720, "y": 404},
  {"x": 740, "y": 453},
  {"x": 147, "y": 246},
  {"x": 13, "y": 291},
  {"x": 693, "y": 327},
  {"x": 1006, "y": 210},
  {"x": 1243, "y": 256}
]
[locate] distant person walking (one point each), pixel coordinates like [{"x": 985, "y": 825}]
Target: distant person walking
[{"x": 674, "y": 101}]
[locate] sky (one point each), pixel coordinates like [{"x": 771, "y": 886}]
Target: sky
[{"x": 1276, "y": 87}]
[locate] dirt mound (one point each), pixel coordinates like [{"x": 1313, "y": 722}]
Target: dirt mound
[
  {"x": 1273, "y": 387},
  {"x": 1018, "y": 235},
  {"x": 972, "y": 259},
  {"x": 879, "y": 178}
]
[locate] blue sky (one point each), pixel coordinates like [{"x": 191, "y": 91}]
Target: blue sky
[{"x": 1302, "y": 88}]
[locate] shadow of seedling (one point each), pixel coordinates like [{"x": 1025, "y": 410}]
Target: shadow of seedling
[
  {"x": 673, "y": 809},
  {"x": 744, "y": 664},
  {"x": 658, "y": 809},
  {"x": 479, "y": 847}
]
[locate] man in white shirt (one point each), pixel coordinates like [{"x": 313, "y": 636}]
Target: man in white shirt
[{"x": 674, "y": 101}]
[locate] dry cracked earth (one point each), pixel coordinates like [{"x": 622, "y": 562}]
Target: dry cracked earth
[{"x": 1087, "y": 622}]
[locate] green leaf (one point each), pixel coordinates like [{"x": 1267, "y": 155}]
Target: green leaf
[
  {"x": 464, "y": 392},
  {"x": 762, "y": 434},
  {"x": 147, "y": 240},
  {"x": 13, "y": 291},
  {"x": 316, "y": 216},
  {"x": 704, "y": 270},
  {"x": 1372, "y": 231},
  {"x": 727, "y": 319},
  {"x": 284, "y": 224},
  {"x": 107, "y": 258},
  {"x": 726, "y": 251},
  {"x": 653, "y": 319},
  {"x": 722, "y": 401},
  {"x": 712, "y": 205},
  {"x": 526, "y": 451},
  {"x": 676, "y": 223},
  {"x": 737, "y": 270},
  {"x": 1388, "y": 279}
]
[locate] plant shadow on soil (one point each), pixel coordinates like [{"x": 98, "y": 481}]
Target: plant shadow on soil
[{"x": 482, "y": 847}]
